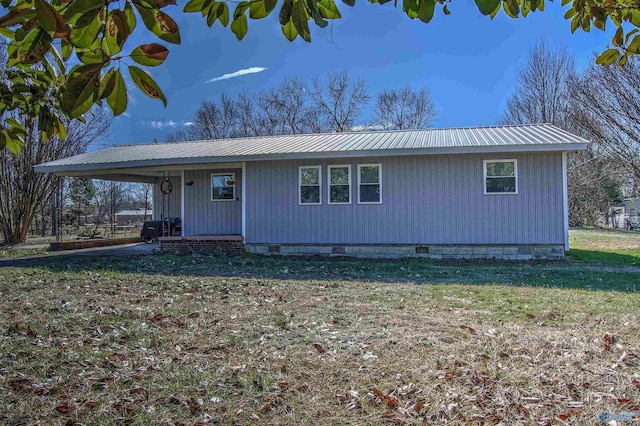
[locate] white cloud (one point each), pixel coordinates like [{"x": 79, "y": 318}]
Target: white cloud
[
  {"x": 164, "y": 124},
  {"x": 238, "y": 73}
]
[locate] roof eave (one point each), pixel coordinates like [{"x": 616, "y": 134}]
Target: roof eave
[{"x": 524, "y": 148}]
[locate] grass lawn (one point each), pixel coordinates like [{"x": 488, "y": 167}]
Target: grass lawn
[{"x": 255, "y": 340}]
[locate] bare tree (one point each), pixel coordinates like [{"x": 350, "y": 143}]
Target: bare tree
[
  {"x": 542, "y": 88},
  {"x": 608, "y": 112},
  {"x": 23, "y": 192},
  {"x": 399, "y": 109},
  {"x": 340, "y": 100},
  {"x": 287, "y": 109},
  {"x": 545, "y": 93}
]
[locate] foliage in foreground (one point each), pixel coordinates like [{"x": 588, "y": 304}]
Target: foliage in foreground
[{"x": 48, "y": 33}]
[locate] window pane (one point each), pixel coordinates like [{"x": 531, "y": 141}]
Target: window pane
[
  {"x": 506, "y": 184},
  {"x": 369, "y": 193},
  {"x": 370, "y": 174},
  {"x": 339, "y": 194},
  {"x": 309, "y": 194},
  {"x": 501, "y": 169},
  {"x": 310, "y": 176},
  {"x": 339, "y": 176},
  {"x": 222, "y": 180},
  {"x": 223, "y": 193}
]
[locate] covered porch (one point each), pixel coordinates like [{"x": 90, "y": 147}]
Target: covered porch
[{"x": 207, "y": 200}]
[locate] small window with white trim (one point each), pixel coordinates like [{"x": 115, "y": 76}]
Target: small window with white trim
[
  {"x": 500, "y": 176},
  {"x": 310, "y": 178},
  {"x": 223, "y": 186},
  {"x": 369, "y": 183},
  {"x": 339, "y": 184}
]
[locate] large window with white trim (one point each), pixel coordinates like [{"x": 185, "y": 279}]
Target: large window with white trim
[
  {"x": 310, "y": 183},
  {"x": 369, "y": 183},
  {"x": 339, "y": 184},
  {"x": 500, "y": 176},
  {"x": 223, "y": 186}
]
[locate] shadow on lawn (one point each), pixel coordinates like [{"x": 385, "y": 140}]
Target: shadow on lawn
[
  {"x": 608, "y": 274},
  {"x": 624, "y": 257}
]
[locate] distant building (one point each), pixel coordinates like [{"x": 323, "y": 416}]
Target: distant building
[
  {"x": 131, "y": 217},
  {"x": 625, "y": 215}
]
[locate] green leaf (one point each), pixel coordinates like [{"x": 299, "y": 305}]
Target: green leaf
[
  {"x": 575, "y": 23},
  {"x": 160, "y": 24},
  {"x": 426, "y": 11},
  {"x": 85, "y": 36},
  {"x": 259, "y": 9},
  {"x": 82, "y": 89},
  {"x": 116, "y": 31},
  {"x": 131, "y": 17},
  {"x": 117, "y": 99},
  {"x": 300, "y": 19},
  {"x": 107, "y": 84},
  {"x": 618, "y": 37},
  {"x": 608, "y": 57},
  {"x": 411, "y": 8},
  {"x": 193, "y": 6},
  {"x": 570, "y": 13},
  {"x": 511, "y": 8},
  {"x": 328, "y": 9},
  {"x": 79, "y": 8},
  {"x": 487, "y": 7},
  {"x": 565, "y": 2},
  {"x": 17, "y": 17},
  {"x": 223, "y": 14},
  {"x": 240, "y": 9},
  {"x": 93, "y": 56},
  {"x": 285, "y": 12},
  {"x": 150, "y": 54},
  {"x": 634, "y": 46},
  {"x": 66, "y": 49},
  {"x": 146, "y": 84},
  {"x": 634, "y": 17},
  {"x": 46, "y": 15},
  {"x": 239, "y": 27},
  {"x": 289, "y": 31},
  {"x": 13, "y": 143},
  {"x": 349, "y": 2},
  {"x": 34, "y": 46}
]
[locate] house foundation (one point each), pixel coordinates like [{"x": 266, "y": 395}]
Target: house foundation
[
  {"x": 215, "y": 244},
  {"x": 502, "y": 252}
]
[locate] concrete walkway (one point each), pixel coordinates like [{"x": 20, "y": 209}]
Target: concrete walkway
[{"x": 125, "y": 250}]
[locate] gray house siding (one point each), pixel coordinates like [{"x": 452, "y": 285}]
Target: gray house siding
[
  {"x": 173, "y": 201},
  {"x": 204, "y": 216},
  {"x": 437, "y": 199}
]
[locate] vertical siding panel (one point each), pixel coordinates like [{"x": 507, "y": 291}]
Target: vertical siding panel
[{"x": 426, "y": 199}]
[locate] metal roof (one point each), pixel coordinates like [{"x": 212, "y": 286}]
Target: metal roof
[{"x": 521, "y": 138}]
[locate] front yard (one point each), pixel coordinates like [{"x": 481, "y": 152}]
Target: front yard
[{"x": 252, "y": 340}]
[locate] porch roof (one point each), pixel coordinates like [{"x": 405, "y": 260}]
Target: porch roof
[{"x": 131, "y": 159}]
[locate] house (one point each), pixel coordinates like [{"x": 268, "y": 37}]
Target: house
[
  {"x": 626, "y": 215},
  {"x": 137, "y": 216},
  {"x": 445, "y": 193}
]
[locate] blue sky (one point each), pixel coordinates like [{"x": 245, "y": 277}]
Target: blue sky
[{"x": 467, "y": 61}]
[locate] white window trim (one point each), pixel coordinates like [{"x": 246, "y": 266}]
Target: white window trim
[
  {"x": 360, "y": 166},
  {"x": 233, "y": 176},
  {"x": 338, "y": 166},
  {"x": 484, "y": 175},
  {"x": 319, "y": 185}
]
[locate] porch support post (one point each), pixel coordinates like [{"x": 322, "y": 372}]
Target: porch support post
[
  {"x": 243, "y": 198},
  {"x": 182, "y": 224},
  {"x": 565, "y": 201}
]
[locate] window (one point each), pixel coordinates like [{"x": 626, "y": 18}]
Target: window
[
  {"x": 500, "y": 177},
  {"x": 310, "y": 182},
  {"x": 339, "y": 184},
  {"x": 369, "y": 183},
  {"x": 223, "y": 187}
]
